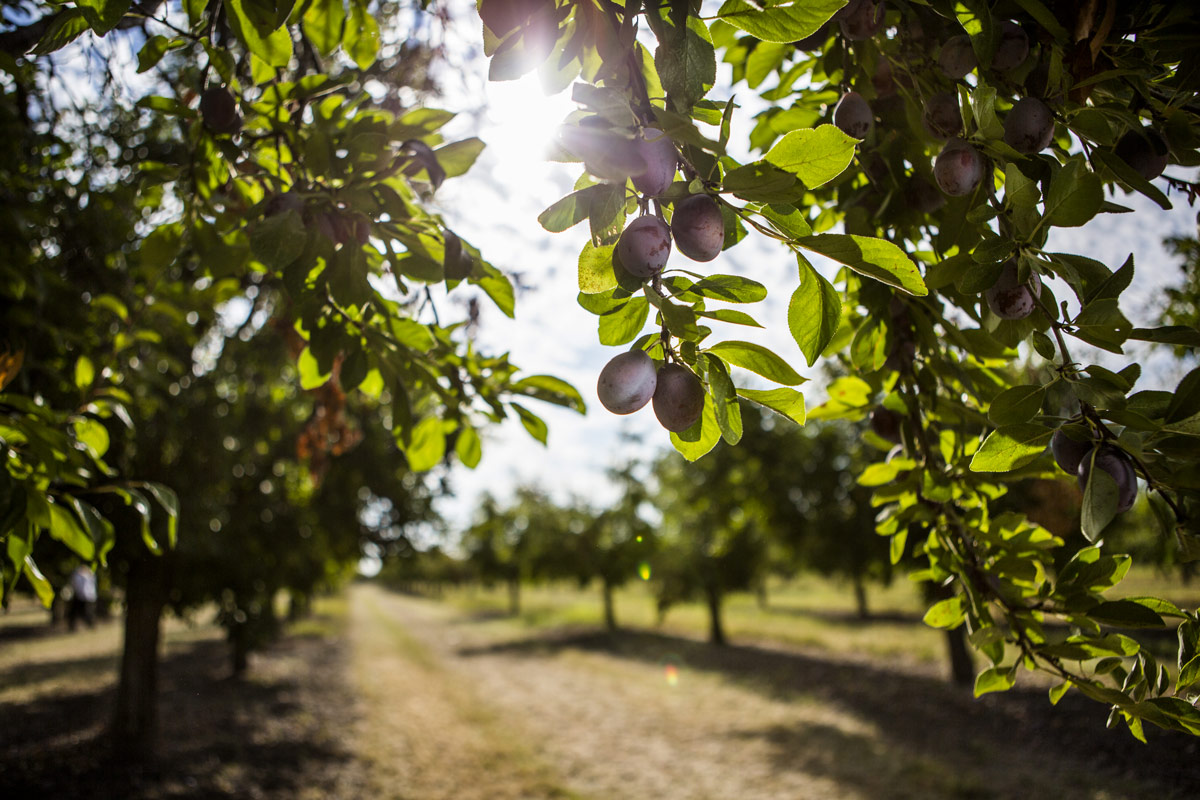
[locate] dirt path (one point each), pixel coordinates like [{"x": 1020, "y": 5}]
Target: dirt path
[{"x": 473, "y": 707}]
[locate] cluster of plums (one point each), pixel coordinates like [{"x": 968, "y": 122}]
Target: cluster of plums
[
  {"x": 219, "y": 111},
  {"x": 631, "y": 379},
  {"x": 1076, "y": 457}
]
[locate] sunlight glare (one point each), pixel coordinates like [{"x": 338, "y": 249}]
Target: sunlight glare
[{"x": 521, "y": 124}]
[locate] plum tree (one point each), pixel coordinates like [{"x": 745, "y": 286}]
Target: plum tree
[
  {"x": 1116, "y": 463},
  {"x": 698, "y": 227},
  {"x": 942, "y": 117},
  {"x": 219, "y": 111},
  {"x": 1069, "y": 451},
  {"x": 958, "y": 168},
  {"x": 853, "y": 116},
  {"x": 627, "y": 382},
  {"x": 658, "y": 151},
  {"x": 1013, "y": 47},
  {"x": 1009, "y": 297},
  {"x": 957, "y": 57},
  {"x": 678, "y": 398},
  {"x": 1029, "y": 126},
  {"x": 922, "y": 196},
  {"x": 1145, "y": 150},
  {"x": 644, "y": 246}
]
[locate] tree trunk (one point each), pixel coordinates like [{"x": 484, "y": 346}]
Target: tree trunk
[
  {"x": 716, "y": 632},
  {"x": 860, "y": 597},
  {"x": 962, "y": 668},
  {"x": 239, "y": 640},
  {"x": 610, "y": 616},
  {"x": 514, "y": 597},
  {"x": 135, "y": 718}
]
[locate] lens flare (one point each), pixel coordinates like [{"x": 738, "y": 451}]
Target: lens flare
[
  {"x": 644, "y": 571},
  {"x": 671, "y": 673}
]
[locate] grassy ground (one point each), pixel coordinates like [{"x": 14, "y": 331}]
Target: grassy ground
[{"x": 391, "y": 696}]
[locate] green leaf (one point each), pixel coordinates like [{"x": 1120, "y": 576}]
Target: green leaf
[
  {"x": 1125, "y": 614},
  {"x": 1017, "y": 404},
  {"x": 92, "y": 434},
  {"x": 1100, "y": 498},
  {"x": 458, "y": 157},
  {"x": 596, "y": 269},
  {"x": 701, "y": 437},
  {"x": 946, "y": 613},
  {"x": 1178, "y": 335},
  {"x": 729, "y": 288},
  {"x": 278, "y": 240},
  {"x": 274, "y": 47},
  {"x": 154, "y": 49},
  {"x": 66, "y": 528},
  {"x": 996, "y": 679},
  {"x": 103, "y": 15},
  {"x": 758, "y": 359},
  {"x": 725, "y": 401},
  {"x": 67, "y": 25},
  {"x": 468, "y": 448},
  {"x": 1020, "y": 191},
  {"x": 814, "y": 155},
  {"x": 499, "y": 288},
  {"x": 779, "y": 23},
  {"x": 1011, "y": 447},
  {"x": 37, "y": 580},
  {"x": 310, "y": 372},
  {"x": 571, "y": 210},
  {"x": 361, "y": 39},
  {"x": 535, "y": 425},
  {"x": 760, "y": 182},
  {"x": 1057, "y": 691},
  {"x": 687, "y": 66},
  {"x": 875, "y": 258},
  {"x": 428, "y": 445},
  {"x": 787, "y": 403},
  {"x": 323, "y": 22},
  {"x": 85, "y": 373},
  {"x": 1075, "y": 195},
  {"x": 814, "y": 312},
  {"x": 787, "y": 220},
  {"x": 623, "y": 324},
  {"x": 550, "y": 389},
  {"x": 166, "y": 498}
]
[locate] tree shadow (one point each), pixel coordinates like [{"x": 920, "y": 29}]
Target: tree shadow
[
  {"x": 929, "y": 719},
  {"x": 218, "y": 736},
  {"x": 847, "y": 618}
]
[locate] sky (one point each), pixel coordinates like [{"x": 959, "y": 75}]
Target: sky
[{"x": 495, "y": 206}]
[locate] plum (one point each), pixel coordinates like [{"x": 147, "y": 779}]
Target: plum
[
  {"x": 219, "y": 111},
  {"x": 1010, "y": 299},
  {"x": 1145, "y": 150},
  {"x": 678, "y": 398},
  {"x": 627, "y": 382},
  {"x": 1112, "y": 460},
  {"x": 1068, "y": 452},
  {"x": 698, "y": 227},
  {"x": 886, "y": 424},
  {"x": 853, "y": 116},
  {"x": 1012, "y": 49},
  {"x": 814, "y": 41},
  {"x": 457, "y": 262},
  {"x": 661, "y": 160},
  {"x": 861, "y": 19},
  {"x": 282, "y": 203},
  {"x": 957, "y": 57},
  {"x": 942, "y": 117},
  {"x": 644, "y": 246},
  {"x": 958, "y": 169},
  {"x": 1029, "y": 126}
]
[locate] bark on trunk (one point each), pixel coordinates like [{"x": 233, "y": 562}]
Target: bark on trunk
[
  {"x": 860, "y": 597},
  {"x": 135, "y": 718},
  {"x": 716, "y": 632},
  {"x": 610, "y": 615}
]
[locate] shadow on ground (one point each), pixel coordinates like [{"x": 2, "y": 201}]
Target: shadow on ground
[
  {"x": 938, "y": 724},
  {"x": 285, "y": 735}
]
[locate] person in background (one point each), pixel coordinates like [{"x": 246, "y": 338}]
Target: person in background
[{"x": 83, "y": 597}]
